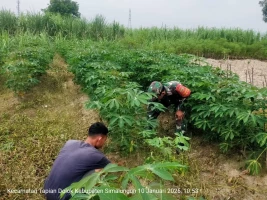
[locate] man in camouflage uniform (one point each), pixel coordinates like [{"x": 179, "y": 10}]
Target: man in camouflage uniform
[{"x": 170, "y": 93}]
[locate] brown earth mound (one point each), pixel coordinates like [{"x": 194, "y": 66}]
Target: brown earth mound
[{"x": 251, "y": 71}]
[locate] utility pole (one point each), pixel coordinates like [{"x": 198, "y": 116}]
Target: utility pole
[
  {"x": 130, "y": 20},
  {"x": 18, "y": 7}
]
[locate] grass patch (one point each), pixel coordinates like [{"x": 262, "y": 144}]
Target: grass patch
[{"x": 34, "y": 127}]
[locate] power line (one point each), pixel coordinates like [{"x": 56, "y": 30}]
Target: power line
[
  {"x": 130, "y": 20},
  {"x": 18, "y": 6}
]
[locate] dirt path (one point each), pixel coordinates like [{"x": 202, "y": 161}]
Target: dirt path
[
  {"x": 224, "y": 176},
  {"x": 251, "y": 71},
  {"x": 34, "y": 127}
]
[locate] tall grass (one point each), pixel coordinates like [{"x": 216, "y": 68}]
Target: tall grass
[
  {"x": 231, "y": 35},
  {"x": 207, "y": 42},
  {"x": 55, "y": 24},
  {"x": 8, "y": 21}
]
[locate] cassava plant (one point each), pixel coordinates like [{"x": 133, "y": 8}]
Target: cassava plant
[
  {"x": 221, "y": 106},
  {"x": 116, "y": 182},
  {"x": 23, "y": 68}
]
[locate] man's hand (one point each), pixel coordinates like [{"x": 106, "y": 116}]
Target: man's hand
[{"x": 179, "y": 115}]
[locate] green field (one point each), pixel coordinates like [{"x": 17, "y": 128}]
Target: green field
[
  {"x": 206, "y": 42},
  {"x": 50, "y": 65}
]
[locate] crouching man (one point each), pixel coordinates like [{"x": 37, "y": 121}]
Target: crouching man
[
  {"x": 170, "y": 93},
  {"x": 75, "y": 160}
]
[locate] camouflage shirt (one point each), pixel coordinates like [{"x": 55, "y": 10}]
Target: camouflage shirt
[{"x": 172, "y": 97}]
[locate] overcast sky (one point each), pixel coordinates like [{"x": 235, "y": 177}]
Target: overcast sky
[{"x": 245, "y": 14}]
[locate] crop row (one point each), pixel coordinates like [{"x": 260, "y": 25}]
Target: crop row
[
  {"x": 223, "y": 107},
  {"x": 116, "y": 78}
]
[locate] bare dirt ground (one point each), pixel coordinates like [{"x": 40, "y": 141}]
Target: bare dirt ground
[
  {"x": 224, "y": 176},
  {"x": 251, "y": 71},
  {"x": 217, "y": 176}
]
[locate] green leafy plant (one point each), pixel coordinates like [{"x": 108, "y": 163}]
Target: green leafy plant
[
  {"x": 221, "y": 106},
  {"x": 116, "y": 182},
  {"x": 253, "y": 166},
  {"x": 125, "y": 109},
  {"x": 167, "y": 145},
  {"x": 181, "y": 141},
  {"x": 24, "y": 68}
]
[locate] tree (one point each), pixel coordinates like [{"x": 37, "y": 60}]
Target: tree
[
  {"x": 63, "y": 7},
  {"x": 264, "y": 9}
]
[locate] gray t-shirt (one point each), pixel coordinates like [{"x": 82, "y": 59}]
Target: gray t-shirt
[{"x": 75, "y": 159}]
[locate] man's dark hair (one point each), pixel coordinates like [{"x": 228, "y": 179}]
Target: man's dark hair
[{"x": 97, "y": 128}]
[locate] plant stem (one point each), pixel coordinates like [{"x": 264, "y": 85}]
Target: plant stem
[{"x": 262, "y": 153}]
